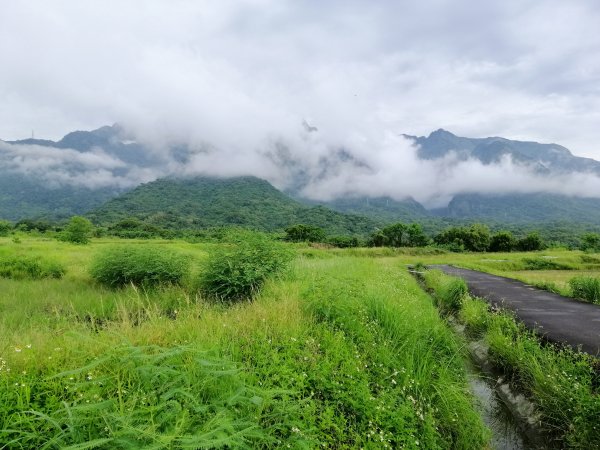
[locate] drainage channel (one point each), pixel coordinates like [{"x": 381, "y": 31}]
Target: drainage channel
[
  {"x": 509, "y": 416},
  {"x": 506, "y": 434}
]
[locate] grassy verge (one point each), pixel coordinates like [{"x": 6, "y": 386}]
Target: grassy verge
[
  {"x": 563, "y": 383},
  {"x": 344, "y": 352}
]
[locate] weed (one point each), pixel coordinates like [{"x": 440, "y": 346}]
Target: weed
[
  {"x": 34, "y": 268},
  {"x": 586, "y": 288},
  {"x": 544, "y": 264}
]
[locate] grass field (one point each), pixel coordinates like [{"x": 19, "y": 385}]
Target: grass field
[{"x": 344, "y": 350}]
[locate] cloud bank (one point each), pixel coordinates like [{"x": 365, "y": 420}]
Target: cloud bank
[{"x": 233, "y": 81}]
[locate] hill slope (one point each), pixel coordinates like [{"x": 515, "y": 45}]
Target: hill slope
[
  {"x": 26, "y": 197},
  {"x": 205, "y": 202},
  {"x": 523, "y": 208}
]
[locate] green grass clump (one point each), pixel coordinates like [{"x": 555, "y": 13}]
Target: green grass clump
[
  {"x": 449, "y": 292},
  {"x": 395, "y": 377},
  {"x": 544, "y": 264},
  {"x": 27, "y": 267},
  {"x": 586, "y": 288},
  {"x": 238, "y": 271},
  {"x": 141, "y": 265}
]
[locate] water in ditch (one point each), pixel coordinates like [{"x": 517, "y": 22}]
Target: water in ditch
[{"x": 505, "y": 432}]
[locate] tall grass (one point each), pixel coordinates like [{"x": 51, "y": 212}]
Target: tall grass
[
  {"x": 345, "y": 353},
  {"x": 586, "y": 288},
  {"x": 562, "y": 383}
]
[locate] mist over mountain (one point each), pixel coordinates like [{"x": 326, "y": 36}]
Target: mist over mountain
[{"x": 388, "y": 176}]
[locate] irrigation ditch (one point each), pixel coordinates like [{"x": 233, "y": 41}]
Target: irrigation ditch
[{"x": 511, "y": 417}]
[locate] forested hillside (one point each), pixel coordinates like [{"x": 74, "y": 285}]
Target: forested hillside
[{"x": 206, "y": 202}]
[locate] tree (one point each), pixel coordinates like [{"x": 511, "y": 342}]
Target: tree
[
  {"x": 394, "y": 234},
  {"x": 415, "y": 236},
  {"x": 304, "y": 233},
  {"x": 589, "y": 242},
  {"x": 530, "y": 243},
  {"x": 79, "y": 230},
  {"x": 5, "y": 227},
  {"x": 476, "y": 238},
  {"x": 502, "y": 241}
]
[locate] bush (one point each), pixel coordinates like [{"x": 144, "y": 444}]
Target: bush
[
  {"x": 78, "y": 231},
  {"x": 304, "y": 233},
  {"x": 141, "y": 265},
  {"x": 503, "y": 241},
  {"x": 20, "y": 268},
  {"x": 544, "y": 264},
  {"x": 343, "y": 241},
  {"x": 586, "y": 288},
  {"x": 239, "y": 271},
  {"x": 5, "y": 227},
  {"x": 530, "y": 243}
]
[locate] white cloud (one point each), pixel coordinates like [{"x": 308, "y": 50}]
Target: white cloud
[{"x": 237, "y": 76}]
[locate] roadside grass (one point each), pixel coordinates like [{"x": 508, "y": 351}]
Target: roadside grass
[
  {"x": 342, "y": 352},
  {"x": 563, "y": 383}
]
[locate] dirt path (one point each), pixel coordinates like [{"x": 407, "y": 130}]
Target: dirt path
[{"x": 556, "y": 318}]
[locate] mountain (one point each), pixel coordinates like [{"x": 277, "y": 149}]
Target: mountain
[
  {"x": 544, "y": 158},
  {"x": 206, "y": 202},
  {"x": 27, "y": 197},
  {"x": 523, "y": 208},
  {"x": 384, "y": 209},
  {"x": 78, "y": 173},
  {"x": 113, "y": 140}
]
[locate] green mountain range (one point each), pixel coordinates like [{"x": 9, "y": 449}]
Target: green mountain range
[
  {"x": 201, "y": 202},
  {"x": 28, "y": 191}
]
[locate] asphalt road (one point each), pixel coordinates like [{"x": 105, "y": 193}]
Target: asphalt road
[{"x": 556, "y": 318}]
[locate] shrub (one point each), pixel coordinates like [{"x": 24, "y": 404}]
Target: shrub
[
  {"x": 503, "y": 241},
  {"x": 586, "y": 288},
  {"x": 543, "y": 264},
  {"x": 20, "y": 268},
  {"x": 141, "y": 265},
  {"x": 530, "y": 243},
  {"x": 304, "y": 233},
  {"x": 239, "y": 271},
  {"x": 343, "y": 241},
  {"x": 5, "y": 227},
  {"x": 78, "y": 231}
]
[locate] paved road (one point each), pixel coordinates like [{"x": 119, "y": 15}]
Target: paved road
[{"x": 556, "y": 318}]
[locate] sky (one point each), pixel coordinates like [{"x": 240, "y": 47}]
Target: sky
[{"x": 242, "y": 77}]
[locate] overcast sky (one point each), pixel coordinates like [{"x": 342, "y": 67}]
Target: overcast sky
[{"x": 232, "y": 71}]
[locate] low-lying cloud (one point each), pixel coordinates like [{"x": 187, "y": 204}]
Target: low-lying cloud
[{"x": 307, "y": 162}]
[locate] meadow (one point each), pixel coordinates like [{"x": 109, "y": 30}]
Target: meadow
[{"x": 341, "y": 350}]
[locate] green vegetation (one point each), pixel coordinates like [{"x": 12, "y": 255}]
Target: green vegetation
[
  {"x": 78, "y": 230},
  {"x": 203, "y": 202},
  {"x": 590, "y": 242},
  {"x": 586, "y": 288},
  {"x": 238, "y": 272},
  {"x": 143, "y": 266},
  {"x": 18, "y": 267},
  {"x": 304, "y": 233},
  {"x": 475, "y": 238},
  {"x": 561, "y": 382},
  {"x": 399, "y": 235},
  {"x": 343, "y": 352},
  {"x": 5, "y": 228},
  {"x": 450, "y": 292}
]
